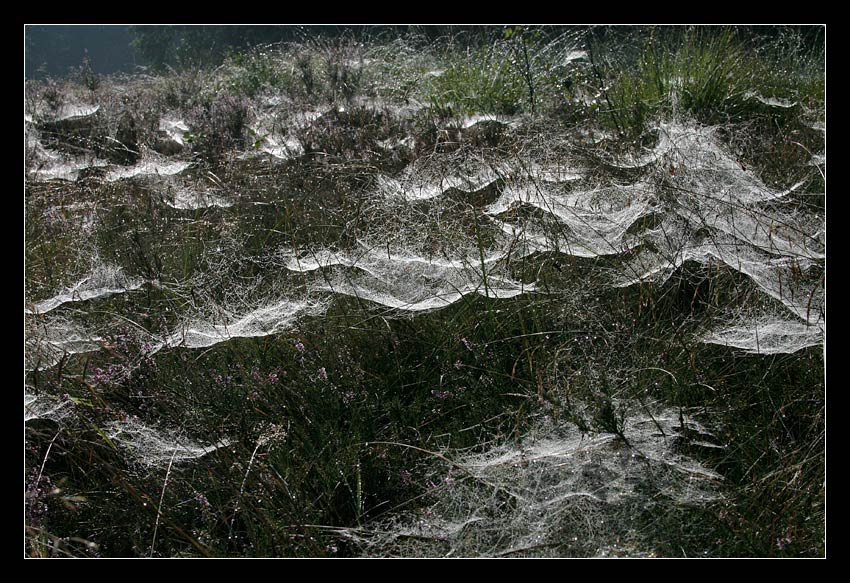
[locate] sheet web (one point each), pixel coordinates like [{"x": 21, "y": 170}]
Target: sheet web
[
  {"x": 559, "y": 492},
  {"x": 453, "y": 225}
]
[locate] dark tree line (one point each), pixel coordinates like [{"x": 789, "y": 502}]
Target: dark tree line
[{"x": 59, "y": 50}]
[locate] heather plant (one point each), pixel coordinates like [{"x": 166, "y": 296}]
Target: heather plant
[{"x": 220, "y": 126}]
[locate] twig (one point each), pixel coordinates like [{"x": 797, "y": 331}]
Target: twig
[{"x": 161, "y": 498}]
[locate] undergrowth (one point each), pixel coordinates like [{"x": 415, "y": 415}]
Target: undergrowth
[{"x": 316, "y": 437}]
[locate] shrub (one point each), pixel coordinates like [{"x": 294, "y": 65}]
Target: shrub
[{"x": 219, "y": 126}]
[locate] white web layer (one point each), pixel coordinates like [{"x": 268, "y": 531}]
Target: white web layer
[
  {"x": 771, "y": 101},
  {"x": 279, "y": 138},
  {"x": 468, "y": 121},
  {"x": 426, "y": 179},
  {"x": 149, "y": 165},
  {"x": 149, "y": 446},
  {"x": 104, "y": 280},
  {"x": 55, "y": 339},
  {"x": 154, "y": 447},
  {"x": 553, "y": 172},
  {"x": 766, "y": 335},
  {"x": 46, "y": 407},
  {"x": 53, "y": 166},
  {"x": 268, "y": 319},
  {"x": 75, "y": 111},
  {"x": 174, "y": 128},
  {"x": 554, "y": 491},
  {"x": 592, "y": 223},
  {"x": 406, "y": 282},
  {"x": 185, "y": 198},
  {"x": 433, "y": 299},
  {"x": 722, "y": 212},
  {"x": 47, "y": 164}
]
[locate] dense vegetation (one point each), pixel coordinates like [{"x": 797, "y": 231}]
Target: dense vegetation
[{"x": 430, "y": 292}]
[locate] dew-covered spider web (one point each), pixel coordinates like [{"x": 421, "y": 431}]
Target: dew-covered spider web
[
  {"x": 558, "y": 492},
  {"x": 192, "y": 259}
]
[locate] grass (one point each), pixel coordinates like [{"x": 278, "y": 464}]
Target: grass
[
  {"x": 483, "y": 82},
  {"x": 704, "y": 72},
  {"x": 352, "y": 420}
]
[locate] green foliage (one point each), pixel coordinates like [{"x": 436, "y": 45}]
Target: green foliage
[
  {"x": 258, "y": 71},
  {"x": 704, "y": 72},
  {"x": 86, "y": 74},
  {"x": 523, "y": 48},
  {"x": 483, "y": 82}
]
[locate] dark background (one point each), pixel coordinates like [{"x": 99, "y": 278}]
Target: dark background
[
  {"x": 56, "y": 50},
  {"x": 60, "y": 50}
]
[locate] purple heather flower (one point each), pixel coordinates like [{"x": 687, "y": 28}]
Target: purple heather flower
[{"x": 323, "y": 374}]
